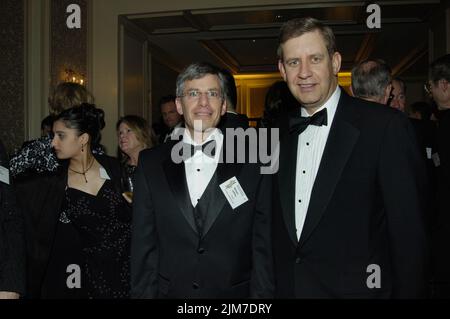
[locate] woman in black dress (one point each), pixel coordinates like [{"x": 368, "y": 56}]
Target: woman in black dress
[{"x": 77, "y": 221}]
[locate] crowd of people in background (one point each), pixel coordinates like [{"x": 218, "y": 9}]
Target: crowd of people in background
[{"x": 362, "y": 180}]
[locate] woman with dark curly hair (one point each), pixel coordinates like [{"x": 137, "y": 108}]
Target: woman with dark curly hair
[{"x": 37, "y": 156}]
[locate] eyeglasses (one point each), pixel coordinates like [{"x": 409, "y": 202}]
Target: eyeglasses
[{"x": 194, "y": 95}]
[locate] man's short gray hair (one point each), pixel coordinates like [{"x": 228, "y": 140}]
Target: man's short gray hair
[
  {"x": 370, "y": 78},
  {"x": 300, "y": 26},
  {"x": 196, "y": 71}
]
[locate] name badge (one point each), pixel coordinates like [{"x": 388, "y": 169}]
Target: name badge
[
  {"x": 436, "y": 159},
  {"x": 428, "y": 150},
  {"x": 4, "y": 175},
  {"x": 233, "y": 192},
  {"x": 104, "y": 174}
]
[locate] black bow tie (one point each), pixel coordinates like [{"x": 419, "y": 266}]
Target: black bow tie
[
  {"x": 298, "y": 124},
  {"x": 208, "y": 148}
]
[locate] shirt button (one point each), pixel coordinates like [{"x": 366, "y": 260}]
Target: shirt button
[
  {"x": 299, "y": 200},
  {"x": 198, "y": 169},
  {"x": 298, "y": 260},
  {"x": 201, "y": 250},
  {"x": 307, "y": 144},
  {"x": 304, "y": 172},
  {"x": 195, "y": 285}
]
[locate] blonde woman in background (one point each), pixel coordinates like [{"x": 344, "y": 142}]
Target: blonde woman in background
[{"x": 134, "y": 135}]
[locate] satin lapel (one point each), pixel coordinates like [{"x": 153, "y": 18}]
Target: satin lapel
[
  {"x": 286, "y": 182},
  {"x": 176, "y": 178},
  {"x": 341, "y": 140},
  {"x": 48, "y": 222},
  {"x": 224, "y": 172}
]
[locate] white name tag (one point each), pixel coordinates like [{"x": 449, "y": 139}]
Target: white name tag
[
  {"x": 436, "y": 159},
  {"x": 104, "y": 174},
  {"x": 428, "y": 149},
  {"x": 4, "y": 175},
  {"x": 234, "y": 192}
]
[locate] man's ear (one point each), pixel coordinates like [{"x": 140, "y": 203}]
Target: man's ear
[
  {"x": 224, "y": 107},
  {"x": 443, "y": 84},
  {"x": 336, "y": 60},
  {"x": 179, "y": 106},
  {"x": 387, "y": 92},
  {"x": 281, "y": 69}
]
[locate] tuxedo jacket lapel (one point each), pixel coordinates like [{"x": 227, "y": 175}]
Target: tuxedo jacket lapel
[
  {"x": 176, "y": 178},
  {"x": 341, "y": 140},
  {"x": 286, "y": 178},
  {"x": 224, "y": 172}
]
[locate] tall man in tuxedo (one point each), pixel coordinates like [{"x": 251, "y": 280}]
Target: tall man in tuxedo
[
  {"x": 348, "y": 212},
  {"x": 189, "y": 240}
]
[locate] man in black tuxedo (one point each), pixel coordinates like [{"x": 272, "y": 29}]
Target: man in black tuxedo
[
  {"x": 12, "y": 246},
  {"x": 439, "y": 88},
  {"x": 171, "y": 118},
  {"x": 348, "y": 210},
  {"x": 188, "y": 239},
  {"x": 371, "y": 81}
]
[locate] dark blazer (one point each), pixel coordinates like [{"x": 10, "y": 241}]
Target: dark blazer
[
  {"x": 366, "y": 208},
  {"x": 43, "y": 197},
  {"x": 12, "y": 244},
  {"x": 441, "y": 224},
  {"x": 170, "y": 259}
]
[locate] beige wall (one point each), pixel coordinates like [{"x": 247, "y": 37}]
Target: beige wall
[{"x": 104, "y": 46}]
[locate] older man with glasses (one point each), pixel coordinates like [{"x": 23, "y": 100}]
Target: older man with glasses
[{"x": 201, "y": 226}]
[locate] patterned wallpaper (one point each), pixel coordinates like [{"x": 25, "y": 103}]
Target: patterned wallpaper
[
  {"x": 12, "y": 73},
  {"x": 68, "y": 50},
  {"x": 68, "y": 46}
]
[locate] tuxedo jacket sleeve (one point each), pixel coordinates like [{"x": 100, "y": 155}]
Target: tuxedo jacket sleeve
[
  {"x": 262, "y": 281},
  {"x": 402, "y": 177},
  {"x": 144, "y": 252},
  {"x": 12, "y": 245}
]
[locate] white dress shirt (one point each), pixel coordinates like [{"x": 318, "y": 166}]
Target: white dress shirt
[
  {"x": 200, "y": 168},
  {"x": 311, "y": 144}
]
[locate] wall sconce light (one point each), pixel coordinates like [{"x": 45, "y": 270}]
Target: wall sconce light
[{"x": 72, "y": 76}]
